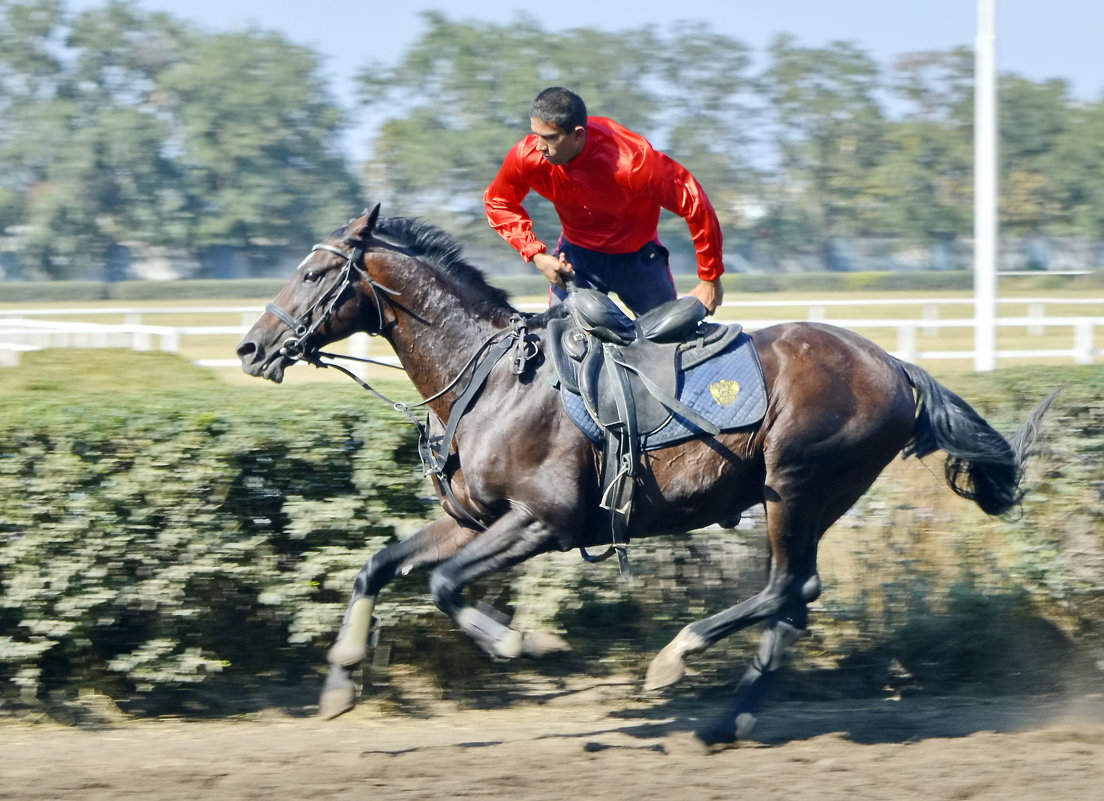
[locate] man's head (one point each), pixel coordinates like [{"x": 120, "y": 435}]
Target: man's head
[{"x": 558, "y": 117}]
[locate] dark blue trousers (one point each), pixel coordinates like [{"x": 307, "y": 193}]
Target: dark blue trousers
[{"x": 641, "y": 280}]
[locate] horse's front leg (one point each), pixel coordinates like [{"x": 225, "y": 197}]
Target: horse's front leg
[
  {"x": 515, "y": 537},
  {"x": 436, "y": 542}
]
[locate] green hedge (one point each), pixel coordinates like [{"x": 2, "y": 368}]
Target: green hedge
[
  {"x": 151, "y": 541},
  {"x": 185, "y": 545},
  {"x": 53, "y": 291}
]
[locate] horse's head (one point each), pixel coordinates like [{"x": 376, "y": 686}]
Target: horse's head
[{"x": 329, "y": 296}]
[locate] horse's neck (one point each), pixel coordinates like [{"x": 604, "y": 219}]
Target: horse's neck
[{"x": 436, "y": 346}]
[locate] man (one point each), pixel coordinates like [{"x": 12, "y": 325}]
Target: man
[{"x": 607, "y": 185}]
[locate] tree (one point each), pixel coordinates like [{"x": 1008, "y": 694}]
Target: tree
[
  {"x": 709, "y": 117},
  {"x": 1033, "y": 119},
  {"x": 30, "y": 72},
  {"x": 256, "y": 136},
  {"x": 923, "y": 184},
  {"x": 828, "y": 129},
  {"x": 1075, "y": 168},
  {"x": 107, "y": 178},
  {"x": 128, "y": 126}
]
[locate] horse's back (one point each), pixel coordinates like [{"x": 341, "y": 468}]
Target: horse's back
[{"x": 832, "y": 388}]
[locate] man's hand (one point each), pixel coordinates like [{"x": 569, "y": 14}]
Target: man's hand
[
  {"x": 710, "y": 293},
  {"x": 553, "y": 268}
]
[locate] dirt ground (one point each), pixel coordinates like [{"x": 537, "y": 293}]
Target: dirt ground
[{"x": 598, "y": 743}]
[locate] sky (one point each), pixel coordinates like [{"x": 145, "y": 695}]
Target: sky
[{"x": 1038, "y": 40}]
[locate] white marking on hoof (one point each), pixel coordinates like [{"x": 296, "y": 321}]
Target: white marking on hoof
[
  {"x": 336, "y": 702},
  {"x": 509, "y": 645},
  {"x": 352, "y": 643},
  {"x": 668, "y": 665}
]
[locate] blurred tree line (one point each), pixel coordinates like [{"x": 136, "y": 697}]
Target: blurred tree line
[{"x": 123, "y": 126}]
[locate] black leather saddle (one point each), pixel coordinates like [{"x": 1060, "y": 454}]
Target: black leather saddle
[
  {"x": 627, "y": 371},
  {"x": 627, "y": 374}
]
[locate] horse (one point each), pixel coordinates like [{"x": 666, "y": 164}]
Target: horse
[{"x": 516, "y": 477}]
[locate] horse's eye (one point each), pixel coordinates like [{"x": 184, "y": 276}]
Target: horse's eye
[{"x": 311, "y": 276}]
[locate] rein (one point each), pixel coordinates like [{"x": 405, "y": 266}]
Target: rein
[{"x": 486, "y": 356}]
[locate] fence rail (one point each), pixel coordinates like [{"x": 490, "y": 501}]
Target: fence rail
[{"x": 23, "y": 329}]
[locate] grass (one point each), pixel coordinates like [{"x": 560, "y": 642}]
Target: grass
[
  {"x": 79, "y": 371},
  {"x": 76, "y": 372}
]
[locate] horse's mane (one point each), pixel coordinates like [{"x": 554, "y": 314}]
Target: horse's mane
[{"x": 444, "y": 253}]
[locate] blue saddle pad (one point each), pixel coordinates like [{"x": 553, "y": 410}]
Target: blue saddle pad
[{"x": 728, "y": 390}]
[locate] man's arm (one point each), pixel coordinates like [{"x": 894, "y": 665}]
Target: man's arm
[
  {"x": 555, "y": 269},
  {"x": 710, "y": 293},
  {"x": 505, "y": 212},
  {"x": 678, "y": 191}
]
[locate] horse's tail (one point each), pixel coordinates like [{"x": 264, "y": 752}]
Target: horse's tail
[{"x": 982, "y": 466}]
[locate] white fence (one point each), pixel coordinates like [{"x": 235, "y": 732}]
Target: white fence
[{"x": 27, "y": 329}]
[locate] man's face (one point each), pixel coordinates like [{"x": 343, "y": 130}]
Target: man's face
[{"x": 555, "y": 144}]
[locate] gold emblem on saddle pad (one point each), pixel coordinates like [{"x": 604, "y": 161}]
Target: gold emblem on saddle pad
[{"x": 725, "y": 392}]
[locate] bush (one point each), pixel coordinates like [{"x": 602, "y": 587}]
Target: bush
[
  {"x": 183, "y": 544},
  {"x": 153, "y": 541}
]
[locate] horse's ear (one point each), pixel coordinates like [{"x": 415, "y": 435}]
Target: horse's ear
[
  {"x": 362, "y": 226},
  {"x": 373, "y": 218}
]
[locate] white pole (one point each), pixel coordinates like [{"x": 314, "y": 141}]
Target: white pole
[{"x": 985, "y": 188}]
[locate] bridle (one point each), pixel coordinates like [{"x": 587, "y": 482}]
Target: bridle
[
  {"x": 306, "y": 325},
  {"x": 434, "y": 458}
]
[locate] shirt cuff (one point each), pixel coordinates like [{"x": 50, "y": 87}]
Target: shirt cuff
[{"x": 532, "y": 249}]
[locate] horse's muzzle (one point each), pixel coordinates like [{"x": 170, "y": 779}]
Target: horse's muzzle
[{"x": 257, "y": 361}]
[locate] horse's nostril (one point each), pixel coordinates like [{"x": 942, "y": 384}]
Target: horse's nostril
[{"x": 246, "y": 349}]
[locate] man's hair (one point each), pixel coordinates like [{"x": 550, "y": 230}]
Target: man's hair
[{"x": 561, "y": 107}]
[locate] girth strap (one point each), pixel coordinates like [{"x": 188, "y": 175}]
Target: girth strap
[{"x": 435, "y": 463}]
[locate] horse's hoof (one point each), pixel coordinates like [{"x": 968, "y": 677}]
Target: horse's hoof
[
  {"x": 664, "y": 670},
  {"x": 668, "y": 666},
  {"x": 536, "y": 644},
  {"x": 336, "y": 702},
  {"x": 509, "y": 646},
  {"x": 717, "y": 736}
]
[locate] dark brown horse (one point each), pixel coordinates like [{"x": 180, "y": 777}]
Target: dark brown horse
[{"x": 522, "y": 479}]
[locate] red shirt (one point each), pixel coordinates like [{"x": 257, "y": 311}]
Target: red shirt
[{"x": 608, "y": 197}]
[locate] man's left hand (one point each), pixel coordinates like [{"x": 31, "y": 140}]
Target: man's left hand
[{"x": 710, "y": 293}]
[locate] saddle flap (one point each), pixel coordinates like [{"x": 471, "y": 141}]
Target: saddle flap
[
  {"x": 646, "y": 372},
  {"x": 565, "y": 347}
]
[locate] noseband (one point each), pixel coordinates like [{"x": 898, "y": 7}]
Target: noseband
[{"x": 305, "y": 326}]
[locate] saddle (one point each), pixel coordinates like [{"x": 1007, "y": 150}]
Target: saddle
[{"x": 626, "y": 372}]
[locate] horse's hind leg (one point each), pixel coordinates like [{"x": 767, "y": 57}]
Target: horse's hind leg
[
  {"x": 436, "y": 542},
  {"x": 793, "y": 582},
  {"x": 781, "y": 633}
]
